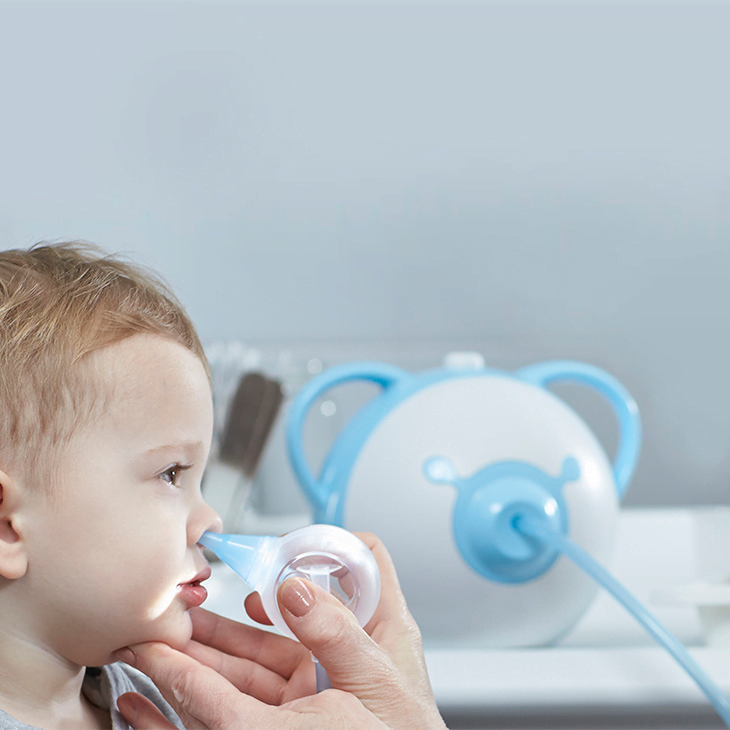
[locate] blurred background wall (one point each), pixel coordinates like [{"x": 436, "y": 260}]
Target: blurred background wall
[{"x": 399, "y": 179}]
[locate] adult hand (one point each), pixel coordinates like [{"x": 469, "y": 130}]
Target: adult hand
[{"x": 236, "y": 676}]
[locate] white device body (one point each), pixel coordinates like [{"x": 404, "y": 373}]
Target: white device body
[
  {"x": 478, "y": 420},
  {"x": 442, "y": 463}
]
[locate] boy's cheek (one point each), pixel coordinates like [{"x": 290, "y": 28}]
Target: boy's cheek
[
  {"x": 139, "y": 615},
  {"x": 173, "y": 627},
  {"x": 157, "y": 524}
]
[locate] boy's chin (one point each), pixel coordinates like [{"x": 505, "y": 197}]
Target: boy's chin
[{"x": 176, "y": 633}]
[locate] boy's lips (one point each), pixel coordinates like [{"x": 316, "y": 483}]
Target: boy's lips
[
  {"x": 204, "y": 574},
  {"x": 192, "y": 592}
]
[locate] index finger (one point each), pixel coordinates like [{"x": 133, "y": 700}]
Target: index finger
[
  {"x": 200, "y": 696},
  {"x": 278, "y": 653}
]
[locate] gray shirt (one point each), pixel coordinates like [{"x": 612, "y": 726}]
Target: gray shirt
[{"x": 102, "y": 687}]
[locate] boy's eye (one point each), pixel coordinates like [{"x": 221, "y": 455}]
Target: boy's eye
[{"x": 171, "y": 475}]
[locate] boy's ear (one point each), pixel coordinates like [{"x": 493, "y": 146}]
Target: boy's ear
[{"x": 13, "y": 557}]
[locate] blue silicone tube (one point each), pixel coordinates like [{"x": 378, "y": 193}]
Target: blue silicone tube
[{"x": 536, "y": 528}]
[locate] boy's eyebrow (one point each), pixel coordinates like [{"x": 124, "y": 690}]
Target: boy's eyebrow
[{"x": 189, "y": 447}]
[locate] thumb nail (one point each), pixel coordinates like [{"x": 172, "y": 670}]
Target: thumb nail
[{"x": 296, "y": 597}]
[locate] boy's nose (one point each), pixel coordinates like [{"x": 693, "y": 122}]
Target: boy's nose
[
  {"x": 216, "y": 523},
  {"x": 204, "y": 518}
]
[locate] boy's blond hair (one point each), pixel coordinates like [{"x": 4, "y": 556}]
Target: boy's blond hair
[{"x": 58, "y": 303}]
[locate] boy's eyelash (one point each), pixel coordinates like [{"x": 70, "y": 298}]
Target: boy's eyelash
[{"x": 173, "y": 471}]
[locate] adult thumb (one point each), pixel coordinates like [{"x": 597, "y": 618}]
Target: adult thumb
[{"x": 352, "y": 660}]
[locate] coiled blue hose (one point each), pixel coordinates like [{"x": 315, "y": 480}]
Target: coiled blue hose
[{"x": 536, "y": 528}]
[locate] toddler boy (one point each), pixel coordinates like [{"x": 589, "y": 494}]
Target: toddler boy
[{"x": 105, "y": 430}]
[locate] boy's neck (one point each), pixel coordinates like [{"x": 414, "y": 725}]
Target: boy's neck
[{"x": 43, "y": 690}]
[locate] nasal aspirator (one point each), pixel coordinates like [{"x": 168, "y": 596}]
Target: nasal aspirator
[{"x": 326, "y": 555}]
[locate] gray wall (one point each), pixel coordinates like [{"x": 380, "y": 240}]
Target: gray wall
[{"x": 533, "y": 179}]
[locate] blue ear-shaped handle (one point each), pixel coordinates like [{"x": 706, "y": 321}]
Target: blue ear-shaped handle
[
  {"x": 374, "y": 372},
  {"x": 624, "y": 407}
]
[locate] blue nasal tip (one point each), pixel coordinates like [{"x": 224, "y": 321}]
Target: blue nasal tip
[
  {"x": 211, "y": 540},
  {"x": 240, "y": 552}
]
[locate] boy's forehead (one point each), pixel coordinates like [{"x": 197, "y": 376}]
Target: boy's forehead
[
  {"x": 149, "y": 382},
  {"x": 145, "y": 361}
]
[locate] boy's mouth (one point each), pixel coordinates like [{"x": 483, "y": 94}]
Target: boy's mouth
[
  {"x": 199, "y": 577},
  {"x": 192, "y": 592}
]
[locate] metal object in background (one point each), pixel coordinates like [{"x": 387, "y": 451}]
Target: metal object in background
[
  {"x": 251, "y": 415},
  {"x": 248, "y": 479}
]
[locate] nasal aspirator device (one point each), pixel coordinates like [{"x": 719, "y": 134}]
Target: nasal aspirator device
[
  {"x": 326, "y": 555},
  {"x": 435, "y": 464}
]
